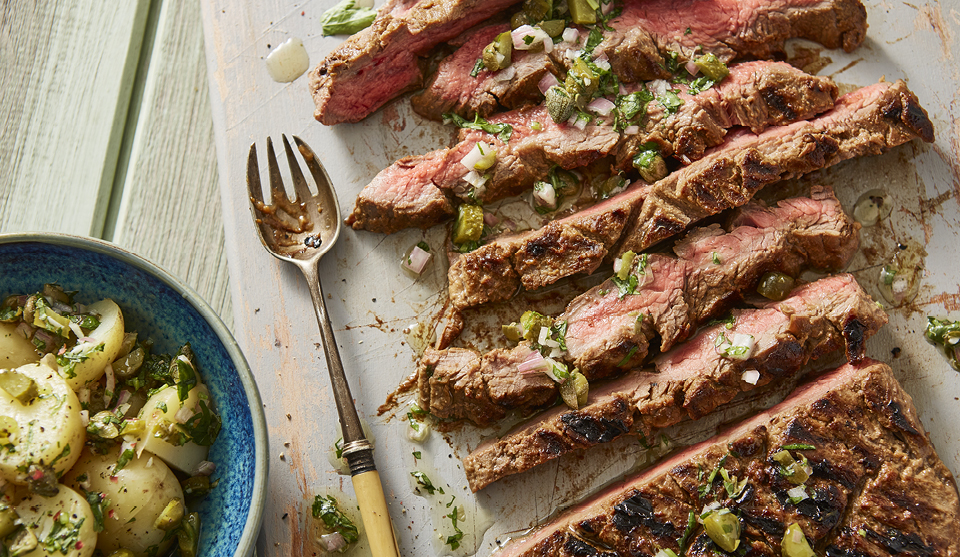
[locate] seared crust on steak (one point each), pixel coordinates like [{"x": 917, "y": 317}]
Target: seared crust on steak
[
  {"x": 638, "y": 44},
  {"x": 417, "y": 191},
  {"x": 607, "y": 333},
  {"x": 383, "y": 61},
  {"x": 865, "y": 122},
  {"x": 878, "y": 487},
  {"x": 692, "y": 380}
]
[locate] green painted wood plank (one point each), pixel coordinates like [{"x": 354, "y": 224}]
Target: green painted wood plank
[
  {"x": 168, "y": 209},
  {"x": 66, "y": 73}
]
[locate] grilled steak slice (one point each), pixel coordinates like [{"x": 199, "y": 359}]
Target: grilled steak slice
[
  {"x": 452, "y": 89},
  {"x": 694, "y": 379},
  {"x": 865, "y": 122},
  {"x": 382, "y": 61},
  {"x": 605, "y": 330},
  {"x": 877, "y": 488},
  {"x": 606, "y": 333},
  {"x": 414, "y": 191},
  {"x": 640, "y": 44}
]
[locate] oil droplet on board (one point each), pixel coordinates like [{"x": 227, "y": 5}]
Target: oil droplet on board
[
  {"x": 419, "y": 337},
  {"x": 900, "y": 277},
  {"x": 288, "y": 61}
]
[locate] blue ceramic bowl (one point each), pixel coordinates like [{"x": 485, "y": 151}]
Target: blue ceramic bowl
[{"x": 161, "y": 307}]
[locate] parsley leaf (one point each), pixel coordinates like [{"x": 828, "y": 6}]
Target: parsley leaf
[{"x": 502, "y": 131}]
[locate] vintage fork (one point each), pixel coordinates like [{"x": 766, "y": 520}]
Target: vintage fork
[{"x": 300, "y": 232}]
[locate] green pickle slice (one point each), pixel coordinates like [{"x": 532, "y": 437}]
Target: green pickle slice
[{"x": 469, "y": 225}]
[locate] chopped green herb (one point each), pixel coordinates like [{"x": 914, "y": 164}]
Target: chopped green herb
[
  {"x": 630, "y": 108},
  {"x": 688, "y": 31},
  {"x": 328, "y": 510},
  {"x": 502, "y": 131},
  {"x": 417, "y": 455},
  {"x": 716, "y": 258},
  {"x": 64, "y": 534},
  {"x": 204, "y": 426},
  {"x": 69, "y": 360},
  {"x": 346, "y": 18},
  {"x": 628, "y": 286},
  {"x": 691, "y": 527},
  {"x": 97, "y": 504},
  {"x": 670, "y": 101},
  {"x": 424, "y": 482},
  {"x": 477, "y": 68},
  {"x": 559, "y": 333},
  {"x": 945, "y": 334},
  {"x": 452, "y": 499},
  {"x": 424, "y": 246},
  {"x": 629, "y": 355},
  {"x": 125, "y": 457},
  {"x": 699, "y": 85},
  {"x": 454, "y": 540},
  {"x": 338, "y": 447},
  {"x": 798, "y": 447}
]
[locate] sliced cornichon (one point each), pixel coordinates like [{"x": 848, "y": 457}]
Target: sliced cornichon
[{"x": 469, "y": 226}]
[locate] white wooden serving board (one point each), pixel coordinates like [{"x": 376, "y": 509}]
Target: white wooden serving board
[{"x": 371, "y": 300}]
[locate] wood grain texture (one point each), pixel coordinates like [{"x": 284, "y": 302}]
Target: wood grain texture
[
  {"x": 169, "y": 210},
  {"x": 66, "y": 72}
]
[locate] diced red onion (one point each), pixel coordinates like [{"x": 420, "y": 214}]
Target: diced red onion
[
  {"x": 149, "y": 463},
  {"x": 44, "y": 336},
  {"x": 85, "y": 417},
  {"x": 333, "y": 542},
  {"x": 623, "y": 90},
  {"x": 798, "y": 493},
  {"x": 631, "y": 130},
  {"x": 538, "y": 36},
  {"x": 658, "y": 87},
  {"x": 474, "y": 178},
  {"x": 580, "y": 124},
  {"x": 205, "y": 468},
  {"x": 545, "y": 196},
  {"x": 534, "y": 362},
  {"x": 601, "y": 106},
  {"x": 751, "y": 376},
  {"x": 84, "y": 395},
  {"x": 470, "y": 160},
  {"x": 91, "y": 340},
  {"x": 417, "y": 260},
  {"x": 570, "y": 35},
  {"x": 183, "y": 414},
  {"x": 545, "y": 340},
  {"x": 509, "y": 225},
  {"x": 603, "y": 63},
  {"x": 111, "y": 384},
  {"x": 506, "y": 74},
  {"x": 617, "y": 265},
  {"x": 75, "y": 328},
  {"x": 25, "y": 330},
  {"x": 605, "y": 9},
  {"x": 692, "y": 68},
  {"x": 490, "y": 219},
  {"x": 547, "y": 81},
  {"x": 123, "y": 398}
]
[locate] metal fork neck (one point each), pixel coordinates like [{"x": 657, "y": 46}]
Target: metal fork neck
[{"x": 349, "y": 419}]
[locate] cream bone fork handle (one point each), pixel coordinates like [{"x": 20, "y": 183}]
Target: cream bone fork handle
[{"x": 300, "y": 232}]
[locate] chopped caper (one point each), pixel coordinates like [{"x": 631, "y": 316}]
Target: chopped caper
[
  {"x": 22, "y": 542},
  {"x": 565, "y": 183},
  {"x": 196, "y": 486},
  {"x": 559, "y": 103},
  {"x": 188, "y": 535},
  {"x": 122, "y": 553},
  {"x": 519, "y": 19},
  {"x": 171, "y": 515},
  {"x": 581, "y": 80},
  {"x": 723, "y": 527},
  {"x": 775, "y": 286},
  {"x": 8, "y": 521},
  {"x": 795, "y": 543},
  {"x": 538, "y": 10},
  {"x": 469, "y": 225},
  {"x": 651, "y": 165},
  {"x": 605, "y": 188},
  {"x": 531, "y": 322},
  {"x": 626, "y": 261},
  {"x": 553, "y": 27},
  {"x": 511, "y": 331},
  {"x": 582, "y": 12},
  {"x": 127, "y": 366},
  {"x": 575, "y": 390},
  {"x": 796, "y": 472},
  {"x": 498, "y": 54},
  {"x": 18, "y": 385},
  {"x": 712, "y": 67}
]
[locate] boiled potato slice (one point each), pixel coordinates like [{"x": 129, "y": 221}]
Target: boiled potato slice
[
  {"x": 162, "y": 407},
  {"x": 63, "y": 524},
  {"x": 135, "y": 497},
  {"x": 88, "y": 359},
  {"x": 15, "y": 350},
  {"x": 46, "y": 430}
]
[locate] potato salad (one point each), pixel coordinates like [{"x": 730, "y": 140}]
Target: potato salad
[{"x": 103, "y": 442}]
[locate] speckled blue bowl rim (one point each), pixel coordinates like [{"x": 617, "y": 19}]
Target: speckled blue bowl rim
[{"x": 248, "y": 538}]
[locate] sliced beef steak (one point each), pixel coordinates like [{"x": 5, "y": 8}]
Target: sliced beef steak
[
  {"x": 694, "y": 379},
  {"x": 865, "y": 122},
  {"x": 877, "y": 486},
  {"x": 383, "y": 61},
  {"x": 418, "y": 191},
  {"x": 452, "y": 89},
  {"x": 608, "y": 333},
  {"x": 639, "y": 44}
]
